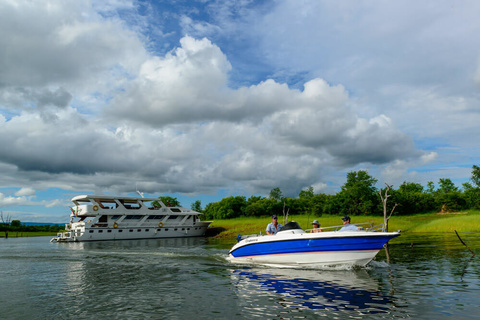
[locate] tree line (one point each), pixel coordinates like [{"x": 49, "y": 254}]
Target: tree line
[
  {"x": 17, "y": 226},
  {"x": 358, "y": 196}
]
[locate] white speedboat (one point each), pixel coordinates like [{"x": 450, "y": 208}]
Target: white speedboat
[
  {"x": 120, "y": 218},
  {"x": 293, "y": 247}
]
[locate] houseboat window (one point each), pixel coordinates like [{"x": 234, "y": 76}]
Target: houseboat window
[
  {"x": 175, "y": 210},
  {"x": 114, "y": 217},
  {"x": 172, "y": 217},
  {"x": 175, "y": 229},
  {"x": 159, "y": 229},
  {"x": 166, "y": 229},
  {"x": 130, "y": 230},
  {"x": 91, "y": 231},
  {"x": 120, "y": 230},
  {"x": 183, "y": 229},
  {"x": 109, "y": 231},
  {"x": 135, "y": 217},
  {"x": 100, "y": 231},
  {"x": 139, "y": 230},
  {"x": 103, "y": 219},
  {"x": 146, "y": 230},
  {"x": 156, "y": 217}
]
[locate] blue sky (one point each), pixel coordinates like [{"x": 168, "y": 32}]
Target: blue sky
[{"x": 205, "y": 99}]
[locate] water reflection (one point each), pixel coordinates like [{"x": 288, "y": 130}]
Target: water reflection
[
  {"x": 136, "y": 244},
  {"x": 347, "y": 292}
]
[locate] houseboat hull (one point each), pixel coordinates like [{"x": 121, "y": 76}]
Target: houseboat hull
[
  {"x": 108, "y": 234},
  {"x": 101, "y": 218}
]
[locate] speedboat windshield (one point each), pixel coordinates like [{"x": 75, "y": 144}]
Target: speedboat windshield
[{"x": 292, "y": 225}]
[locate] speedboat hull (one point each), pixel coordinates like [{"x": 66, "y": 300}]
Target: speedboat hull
[{"x": 299, "y": 249}]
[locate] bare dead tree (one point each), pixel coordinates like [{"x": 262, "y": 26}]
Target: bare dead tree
[
  {"x": 6, "y": 222},
  {"x": 285, "y": 215},
  {"x": 384, "y": 201}
]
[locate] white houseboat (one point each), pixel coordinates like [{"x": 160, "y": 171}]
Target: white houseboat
[{"x": 96, "y": 218}]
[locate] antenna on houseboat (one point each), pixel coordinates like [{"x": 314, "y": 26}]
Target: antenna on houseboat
[{"x": 140, "y": 193}]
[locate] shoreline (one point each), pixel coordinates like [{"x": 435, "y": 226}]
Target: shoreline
[{"x": 418, "y": 223}]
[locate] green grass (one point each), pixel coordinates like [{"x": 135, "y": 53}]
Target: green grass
[
  {"x": 19, "y": 234},
  {"x": 420, "y": 223}
]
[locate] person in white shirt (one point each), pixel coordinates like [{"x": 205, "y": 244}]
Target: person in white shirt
[
  {"x": 347, "y": 226},
  {"x": 273, "y": 227}
]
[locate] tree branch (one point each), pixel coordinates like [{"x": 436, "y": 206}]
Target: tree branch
[{"x": 391, "y": 212}]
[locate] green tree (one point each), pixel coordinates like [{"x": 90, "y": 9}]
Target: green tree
[
  {"x": 318, "y": 204},
  {"x": 358, "y": 195},
  {"x": 227, "y": 208},
  {"x": 276, "y": 194},
  {"x": 446, "y": 185},
  {"x": 197, "y": 206},
  {"x": 449, "y": 197},
  {"x": 305, "y": 201},
  {"x": 332, "y": 204},
  {"x": 412, "y": 199},
  {"x": 430, "y": 187},
  {"x": 263, "y": 207},
  {"x": 168, "y": 201},
  {"x": 306, "y": 193},
  {"x": 408, "y": 187},
  {"x": 253, "y": 199},
  {"x": 472, "y": 195},
  {"x": 16, "y": 223},
  {"x": 476, "y": 175}
]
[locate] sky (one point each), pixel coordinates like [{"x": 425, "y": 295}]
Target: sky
[{"x": 202, "y": 99}]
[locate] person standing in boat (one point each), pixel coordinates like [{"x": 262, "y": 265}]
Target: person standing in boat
[
  {"x": 316, "y": 227},
  {"x": 347, "y": 226},
  {"x": 274, "y": 226}
]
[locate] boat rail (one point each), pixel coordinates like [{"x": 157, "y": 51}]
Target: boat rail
[{"x": 366, "y": 226}]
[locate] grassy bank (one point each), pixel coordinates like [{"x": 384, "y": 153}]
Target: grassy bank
[
  {"x": 462, "y": 222},
  {"x": 230, "y": 228},
  {"x": 27, "y": 234}
]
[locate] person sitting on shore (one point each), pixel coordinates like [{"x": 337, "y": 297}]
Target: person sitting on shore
[
  {"x": 347, "y": 226},
  {"x": 274, "y": 226},
  {"x": 316, "y": 227}
]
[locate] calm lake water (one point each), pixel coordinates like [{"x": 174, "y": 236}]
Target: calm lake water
[{"x": 427, "y": 277}]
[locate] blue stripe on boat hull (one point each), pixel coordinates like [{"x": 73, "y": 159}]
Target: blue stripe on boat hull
[{"x": 357, "y": 243}]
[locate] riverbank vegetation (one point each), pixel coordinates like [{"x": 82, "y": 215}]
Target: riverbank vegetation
[
  {"x": 15, "y": 228},
  {"x": 417, "y": 223},
  {"x": 22, "y": 234},
  {"x": 414, "y": 206},
  {"x": 434, "y": 208},
  {"x": 357, "y": 197}
]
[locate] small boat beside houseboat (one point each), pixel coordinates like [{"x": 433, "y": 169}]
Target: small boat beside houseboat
[
  {"x": 95, "y": 218},
  {"x": 294, "y": 247}
]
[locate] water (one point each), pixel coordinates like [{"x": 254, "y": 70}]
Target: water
[{"x": 427, "y": 277}]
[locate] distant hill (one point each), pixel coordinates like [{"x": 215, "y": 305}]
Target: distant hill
[{"x": 42, "y": 224}]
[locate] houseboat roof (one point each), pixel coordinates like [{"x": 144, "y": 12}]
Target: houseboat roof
[{"x": 103, "y": 197}]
